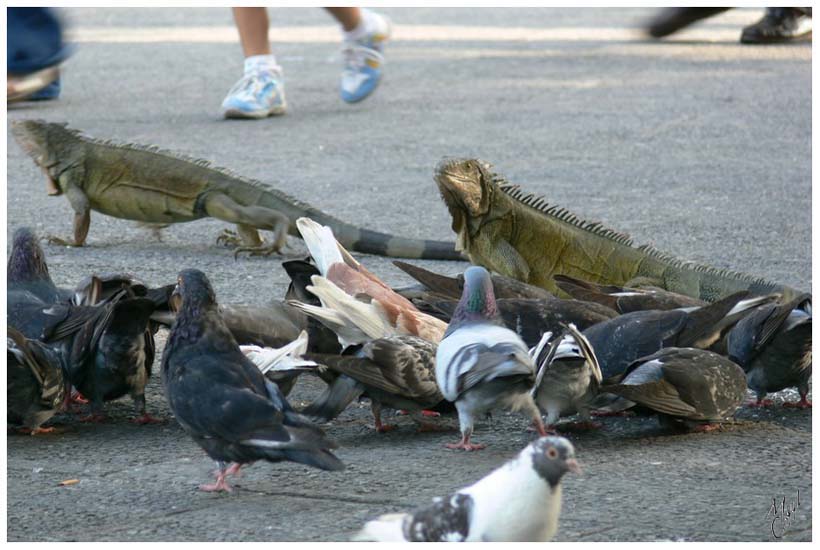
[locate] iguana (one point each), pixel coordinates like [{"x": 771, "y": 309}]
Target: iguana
[
  {"x": 520, "y": 235},
  {"x": 145, "y": 184}
]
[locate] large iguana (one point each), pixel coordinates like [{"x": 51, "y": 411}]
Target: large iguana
[
  {"x": 520, "y": 235},
  {"x": 145, "y": 184}
]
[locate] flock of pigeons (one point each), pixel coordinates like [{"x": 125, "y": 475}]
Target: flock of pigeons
[{"x": 470, "y": 344}]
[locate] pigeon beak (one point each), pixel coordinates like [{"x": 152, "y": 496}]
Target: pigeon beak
[{"x": 573, "y": 466}]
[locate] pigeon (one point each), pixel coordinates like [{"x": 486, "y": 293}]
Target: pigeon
[
  {"x": 568, "y": 377},
  {"x": 109, "y": 346},
  {"x": 346, "y": 275},
  {"x": 35, "y": 382},
  {"x": 688, "y": 387},
  {"x": 451, "y": 288},
  {"x": 480, "y": 364},
  {"x": 530, "y": 319},
  {"x": 281, "y": 365},
  {"x": 358, "y": 320},
  {"x": 518, "y": 502},
  {"x": 27, "y": 275},
  {"x": 624, "y": 299},
  {"x": 620, "y": 341},
  {"x": 396, "y": 371},
  {"x": 320, "y": 338},
  {"x": 222, "y": 400},
  {"x": 773, "y": 346}
]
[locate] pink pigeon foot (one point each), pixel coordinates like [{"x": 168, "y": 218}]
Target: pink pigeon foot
[
  {"x": 706, "y": 428},
  {"x": 146, "y": 419},
  {"x": 804, "y": 403},
  {"x": 760, "y": 403},
  {"x": 220, "y": 485}
]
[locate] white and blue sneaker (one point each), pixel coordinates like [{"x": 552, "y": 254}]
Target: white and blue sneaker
[
  {"x": 364, "y": 59},
  {"x": 258, "y": 94}
]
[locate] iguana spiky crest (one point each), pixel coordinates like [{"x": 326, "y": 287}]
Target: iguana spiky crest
[{"x": 522, "y": 235}]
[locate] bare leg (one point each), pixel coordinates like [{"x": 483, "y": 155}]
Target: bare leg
[
  {"x": 465, "y": 421},
  {"x": 221, "y": 484},
  {"x": 465, "y": 443},
  {"x": 376, "y": 408},
  {"x": 348, "y": 17},
  {"x": 252, "y": 24}
]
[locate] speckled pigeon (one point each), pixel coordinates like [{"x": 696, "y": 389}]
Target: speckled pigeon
[
  {"x": 35, "y": 382},
  {"x": 687, "y": 387},
  {"x": 396, "y": 371},
  {"x": 518, "y": 502},
  {"x": 480, "y": 364}
]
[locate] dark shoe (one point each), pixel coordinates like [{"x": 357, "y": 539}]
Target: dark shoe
[
  {"x": 674, "y": 19},
  {"x": 779, "y": 25}
]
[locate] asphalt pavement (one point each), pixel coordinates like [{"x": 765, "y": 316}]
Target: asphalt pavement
[{"x": 696, "y": 144}]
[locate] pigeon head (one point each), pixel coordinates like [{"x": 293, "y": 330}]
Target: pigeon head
[
  {"x": 477, "y": 299},
  {"x": 552, "y": 457},
  {"x": 195, "y": 291},
  {"x": 27, "y": 261}
]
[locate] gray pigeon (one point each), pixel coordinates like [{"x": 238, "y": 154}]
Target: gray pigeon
[
  {"x": 568, "y": 377},
  {"x": 773, "y": 346},
  {"x": 620, "y": 341},
  {"x": 480, "y": 364},
  {"x": 36, "y": 383},
  {"x": 688, "y": 387},
  {"x": 518, "y": 502},
  {"x": 27, "y": 276},
  {"x": 221, "y": 398}
]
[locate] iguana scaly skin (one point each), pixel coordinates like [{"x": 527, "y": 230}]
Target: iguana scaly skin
[
  {"x": 148, "y": 185},
  {"x": 520, "y": 235}
]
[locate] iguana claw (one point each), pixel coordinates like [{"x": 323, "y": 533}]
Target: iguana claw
[
  {"x": 52, "y": 239},
  {"x": 228, "y": 238}
]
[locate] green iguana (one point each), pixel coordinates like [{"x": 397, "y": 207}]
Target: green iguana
[
  {"x": 145, "y": 184},
  {"x": 519, "y": 235}
]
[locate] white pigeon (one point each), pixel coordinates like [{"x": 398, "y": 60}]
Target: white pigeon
[
  {"x": 480, "y": 364},
  {"x": 518, "y": 502}
]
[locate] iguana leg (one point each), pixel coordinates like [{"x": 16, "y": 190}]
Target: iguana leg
[
  {"x": 248, "y": 220},
  {"x": 82, "y": 218}
]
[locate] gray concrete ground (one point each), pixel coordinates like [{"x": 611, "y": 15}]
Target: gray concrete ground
[{"x": 698, "y": 145}]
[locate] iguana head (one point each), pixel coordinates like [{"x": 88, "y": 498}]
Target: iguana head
[
  {"x": 464, "y": 185},
  {"x": 50, "y": 144}
]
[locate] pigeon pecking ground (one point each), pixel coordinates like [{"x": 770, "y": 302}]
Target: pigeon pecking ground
[{"x": 699, "y": 145}]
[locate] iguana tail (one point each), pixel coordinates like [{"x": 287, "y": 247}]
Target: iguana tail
[{"x": 383, "y": 244}]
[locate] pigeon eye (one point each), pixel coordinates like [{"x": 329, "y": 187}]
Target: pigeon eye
[{"x": 552, "y": 453}]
